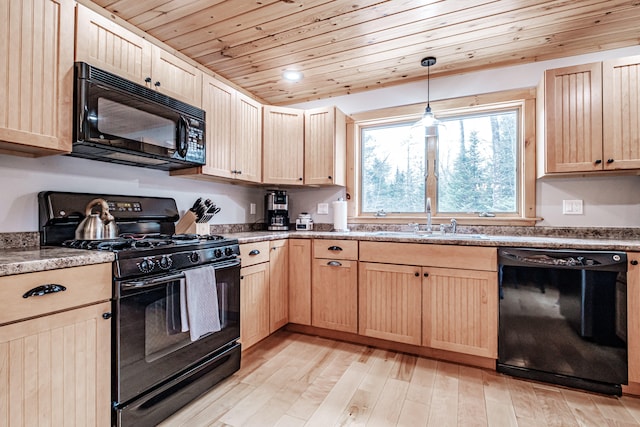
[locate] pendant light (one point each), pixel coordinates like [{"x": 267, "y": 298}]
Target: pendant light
[{"x": 428, "y": 120}]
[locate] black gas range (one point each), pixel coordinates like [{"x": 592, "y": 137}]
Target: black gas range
[{"x": 158, "y": 364}]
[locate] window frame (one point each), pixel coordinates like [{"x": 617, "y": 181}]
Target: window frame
[{"x": 523, "y": 98}]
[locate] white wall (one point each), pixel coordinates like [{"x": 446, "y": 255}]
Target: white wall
[
  {"x": 611, "y": 201},
  {"x": 608, "y": 202},
  {"x": 22, "y": 178}
]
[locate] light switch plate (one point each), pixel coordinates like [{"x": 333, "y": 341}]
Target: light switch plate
[
  {"x": 323, "y": 208},
  {"x": 572, "y": 207}
]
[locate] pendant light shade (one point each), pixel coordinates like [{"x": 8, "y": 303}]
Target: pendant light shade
[{"x": 428, "y": 120}]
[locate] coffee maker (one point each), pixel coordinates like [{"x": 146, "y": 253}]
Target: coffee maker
[{"x": 277, "y": 207}]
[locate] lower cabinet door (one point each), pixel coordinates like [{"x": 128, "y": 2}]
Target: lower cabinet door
[
  {"x": 254, "y": 304},
  {"x": 278, "y": 284},
  {"x": 390, "y": 302},
  {"x": 334, "y": 295},
  {"x": 460, "y": 311},
  {"x": 56, "y": 370}
]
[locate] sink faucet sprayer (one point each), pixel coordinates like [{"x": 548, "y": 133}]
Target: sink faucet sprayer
[{"x": 429, "y": 228}]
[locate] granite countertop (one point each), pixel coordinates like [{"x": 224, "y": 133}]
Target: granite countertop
[
  {"x": 547, "y": 242},
  {"x": 31, "y": 259},
  {"x": 28, "y": 260}
]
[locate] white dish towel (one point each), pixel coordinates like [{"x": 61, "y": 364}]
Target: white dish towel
[{"x": 199, "y": 302}]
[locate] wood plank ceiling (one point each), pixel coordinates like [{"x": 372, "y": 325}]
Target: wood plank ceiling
[{"x": 347, "y": 46}]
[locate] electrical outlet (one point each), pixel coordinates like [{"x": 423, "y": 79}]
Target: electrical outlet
[
  {"x": 572, "y": 207},
  {"x": 252, "y": 208},
  {"x": 323, "y": 208}
]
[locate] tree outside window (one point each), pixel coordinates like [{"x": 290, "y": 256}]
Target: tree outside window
[{"x": 476, "y": 165}]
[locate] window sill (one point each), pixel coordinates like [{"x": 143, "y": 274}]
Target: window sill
[{"x": 436, "y": 220}]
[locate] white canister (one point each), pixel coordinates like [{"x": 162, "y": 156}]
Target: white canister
[{"x": 340, "y": 215}]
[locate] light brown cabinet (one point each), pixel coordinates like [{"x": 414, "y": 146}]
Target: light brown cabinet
[
  {"x": 264, "y": 290},
  {"x": 586, "y": 117},
  {"x": 56, "y": 362},
  {"x": 325, "y": 136},
  {"x": 460, "y": 311},
  {"x": 459, "y": 306},
  {"x": 390, "y": 302},
  {"x": 621, "y": 115},
  {"x": 278, "y": 284},
  {"x": 106, "y": 44},
  {"x": 233, "y": 135},
  {"x": 633, "y": 316},
  {"x": 36, "y": 90},
  {"x": 334, "y": 285},
  {"x": 300, "y": 281},
  {"x": 283, "y": 145}
]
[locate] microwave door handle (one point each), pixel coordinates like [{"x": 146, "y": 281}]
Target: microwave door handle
[{"x": 183, "y": 137}]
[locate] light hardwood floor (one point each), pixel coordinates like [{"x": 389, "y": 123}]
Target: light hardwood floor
[{"x": 291, "y": 379}]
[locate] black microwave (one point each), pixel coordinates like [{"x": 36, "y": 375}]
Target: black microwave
[{"x": 119, "y": 121}]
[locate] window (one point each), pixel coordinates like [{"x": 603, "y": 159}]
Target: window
[{"x": 474, "y": 168}]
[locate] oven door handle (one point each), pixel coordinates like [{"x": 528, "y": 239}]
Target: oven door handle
[{"x": 139, "y": 284}]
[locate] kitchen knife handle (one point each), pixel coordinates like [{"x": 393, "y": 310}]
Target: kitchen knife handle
[{"x": 43, "y": 290}]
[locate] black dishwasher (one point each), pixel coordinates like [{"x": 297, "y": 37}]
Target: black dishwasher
[{"x": 563, "y": 317}]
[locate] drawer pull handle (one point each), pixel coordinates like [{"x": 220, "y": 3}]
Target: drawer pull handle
[
  {"x": 254, "y": 252},
  {"x": 334, "y": 264},
  {"x": 335, "y": 248},
  {"x": 43, "y": 290},
  {"x": 634, "y": 262}
]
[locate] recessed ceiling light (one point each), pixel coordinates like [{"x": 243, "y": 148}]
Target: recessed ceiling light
[{"x": 292, "y": 75}]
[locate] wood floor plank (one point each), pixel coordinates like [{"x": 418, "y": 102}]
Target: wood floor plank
[
  {"x": 444, "y": 400},
  {"x": 471, "y": 403},
  {"x": 294, "y": 380}
]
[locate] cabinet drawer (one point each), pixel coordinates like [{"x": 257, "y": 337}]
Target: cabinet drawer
[
  {"x": 254, "y": 253},
  {"x": 335, "y": 249},
  {"x": 448, "y": 256},
  {"x": 83, "y": 285}
]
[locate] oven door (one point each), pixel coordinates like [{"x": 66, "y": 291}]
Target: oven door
[{"x": 149, "y": 347}]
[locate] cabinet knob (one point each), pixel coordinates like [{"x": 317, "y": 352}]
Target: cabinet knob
[
  {"x": 300, "y": 179},
  {"x": 147, "y": 79},
  {"x": 106, "y": 316},
  {"x": 597, "y": 162},
  {"x": 426, "y": 274},
  {"x": 416, "y": 274},
  {"x": 634, "y": 262},
  {"x": 157, "y": 84},
  {"x": 239, "y": 172},
  {"x": 609, "y": 160},
  {"x": 329, "y": 177}
]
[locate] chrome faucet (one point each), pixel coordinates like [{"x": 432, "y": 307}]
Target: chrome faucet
[
  {"x": 454, "y": 225},
  {"x": 429, "y": 227}
]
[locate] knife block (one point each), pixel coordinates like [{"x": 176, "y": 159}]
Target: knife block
[{"x": 188, "y": 225}]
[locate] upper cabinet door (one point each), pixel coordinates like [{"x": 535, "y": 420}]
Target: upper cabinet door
[
  {"x": 248, "y": 139},
  {"x": 621, "y": 110},
  {"x": 573, "y": 118},
  {"x": 218, "y": 101},
  {"x": 37, "y": 76},
  {"x": 283, "y": 145},
  {"x": 325, "y": 132},
  {"x": 176, "y": 78},
  {"x": 105, "y": 44}
]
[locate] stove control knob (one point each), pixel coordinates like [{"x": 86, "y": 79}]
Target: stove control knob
[
  {"x": 194, "y": 257},
  {"x": 146, "y": 265},
  {"x": 228, "y": 251},
  {"x": 217, "y": 253},
  {"x": 165, "y": 262}
]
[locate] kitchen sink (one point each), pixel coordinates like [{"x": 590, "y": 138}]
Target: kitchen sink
[{"x": 436, "y": 235}]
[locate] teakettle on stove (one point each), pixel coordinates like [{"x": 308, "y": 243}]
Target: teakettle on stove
[{"x": 97, "y": 226}]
